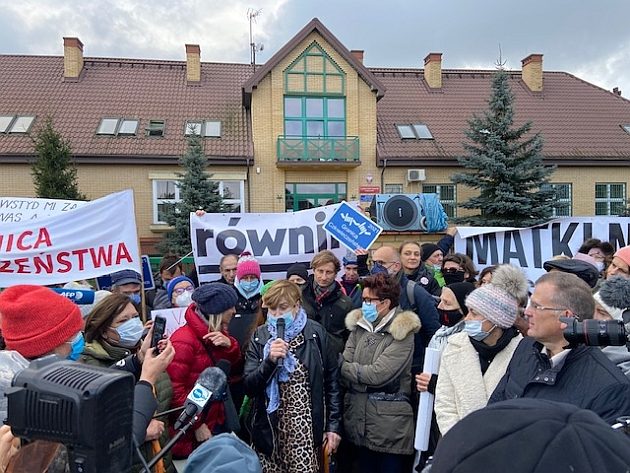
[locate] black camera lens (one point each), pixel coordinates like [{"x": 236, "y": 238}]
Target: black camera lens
[{"x": 593, "y": 332}]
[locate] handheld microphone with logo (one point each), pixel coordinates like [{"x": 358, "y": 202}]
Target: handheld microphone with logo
[
  {"x": 280, "y": 326},
  {"x": 211, "y": 386}
]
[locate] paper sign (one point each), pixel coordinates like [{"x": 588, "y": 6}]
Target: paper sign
[{"x": 175, "y": 318}]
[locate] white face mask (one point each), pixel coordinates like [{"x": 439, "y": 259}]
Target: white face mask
[{"x": 184, "y": 299}]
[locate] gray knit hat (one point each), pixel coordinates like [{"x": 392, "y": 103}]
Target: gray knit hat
[{"x": 495, "y": 304}]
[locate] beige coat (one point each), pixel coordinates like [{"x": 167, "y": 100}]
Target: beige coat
[
  {"x": 379, "y": 362},
  {"x": 461, "y": 388}
]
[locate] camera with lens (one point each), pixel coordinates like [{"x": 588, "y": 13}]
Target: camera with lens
[{"x": 600, "y": 333}]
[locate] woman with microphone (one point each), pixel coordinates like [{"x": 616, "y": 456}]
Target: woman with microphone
[{"x": 292, "y": 378}]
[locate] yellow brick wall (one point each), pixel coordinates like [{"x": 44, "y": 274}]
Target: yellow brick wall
[
  {"x": 267, "y": 187},
  {"x": 73, "y": 61}
]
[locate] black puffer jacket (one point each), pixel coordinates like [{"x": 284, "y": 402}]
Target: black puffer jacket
[
  {"x": 330, "y": 312},
  {"x": 424, "y": 277},
  {"x": 323, "y": 374},
  {"x": 586, "y": 379}
]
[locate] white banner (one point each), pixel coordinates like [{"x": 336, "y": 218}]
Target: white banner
[
  {"x": 277, "y": 240},
  {"x": 97, "y": 238},
  {"x": 529, "y": 248},
  {"x": 19, "y": 209}
]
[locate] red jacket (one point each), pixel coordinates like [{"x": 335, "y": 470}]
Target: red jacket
[{"x": 192, "y": 356}]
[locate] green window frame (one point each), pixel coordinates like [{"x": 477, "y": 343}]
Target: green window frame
[
  {"x": 314, "y": 72},
  {"x": 314, "y": 117},
  {"x": 610, "y": 198},
  {"x": 302, "y": 195},
  {"x": 564, "y": 207}
]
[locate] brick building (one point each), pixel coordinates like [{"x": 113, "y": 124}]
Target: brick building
[{"x": 310, "y": 126}]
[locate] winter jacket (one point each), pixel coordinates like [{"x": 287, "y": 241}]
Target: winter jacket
[
  {"x": 376, "y": 371},
  {"x": 323, "y": 374},
  {"x": 100, "y": 353},
  {"x": 587, "y": 379},
  {"x": 192, "y": 356},
  {"x": 246, "y": 319},
  {"x": 619, "y": 356},
  {"x": 461, "y": 388},
  {"x": 354, "y": 291},
  {"x": 424, "y": 277},
  {"x": 425, "y": 307},
  {"x": 330, "y": 312}
]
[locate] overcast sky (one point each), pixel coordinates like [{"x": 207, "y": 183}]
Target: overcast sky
[{"x": 590, "y": 39}]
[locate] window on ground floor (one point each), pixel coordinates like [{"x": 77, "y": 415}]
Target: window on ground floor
[
  {"x": 166, "y": 194},
  {"x": 446, "y": 193},
  {"x": 302, "y": 196},
  {"x": 564, "y": 206},
  {"x": 610, "y": 198}
]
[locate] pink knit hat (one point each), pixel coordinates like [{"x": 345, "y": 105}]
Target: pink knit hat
[
  {"x": 247, "y": 265},
  {"x": 495, "y": 304},
  {"x": 624, "y": 254}
]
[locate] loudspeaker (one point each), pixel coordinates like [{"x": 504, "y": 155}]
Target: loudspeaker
[{"x": 399, "y": 212}]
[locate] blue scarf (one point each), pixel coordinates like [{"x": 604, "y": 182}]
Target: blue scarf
[{"x": 288, "y": 367}]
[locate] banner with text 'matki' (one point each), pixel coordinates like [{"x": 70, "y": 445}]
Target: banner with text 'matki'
[{"x": 96, "y": 238}]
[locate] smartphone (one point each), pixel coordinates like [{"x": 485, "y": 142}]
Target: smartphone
[{"x": 159, "y": 328}]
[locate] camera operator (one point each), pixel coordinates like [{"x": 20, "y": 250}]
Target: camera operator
[
  {"x": 543, "y": 367},
  {"x": 36, "y": 322}
]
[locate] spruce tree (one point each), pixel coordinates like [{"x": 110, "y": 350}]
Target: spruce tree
[
  {"x": 196, "y": 191},
  {"x": 54, "y": 173},
  {"x": 505, "y": 165}
]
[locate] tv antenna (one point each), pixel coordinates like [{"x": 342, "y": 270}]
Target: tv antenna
[{"x": 252, "y": 15}]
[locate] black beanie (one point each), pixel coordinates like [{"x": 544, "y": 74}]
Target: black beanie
[
  {"x": 215, "y": 298},
  {"x": 532, "y": 436},
  {"x": 297, "y": 269},
  {"x": 461, "y": 291},
  {"x": 428, "y": 249}
]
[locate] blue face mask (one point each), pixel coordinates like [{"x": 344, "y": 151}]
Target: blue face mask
[
  {"x": 135, "y": 298},
  {"x": 378, "y": 268},
  {"x": 249, "y": 286},
  {"x": 474, "y": 330},
  {"x": 77, "y": 345},
  {"x": 130, "y": 332},
  {"x": 369, "y": 312},
  {"x": 288, "y": 317}
]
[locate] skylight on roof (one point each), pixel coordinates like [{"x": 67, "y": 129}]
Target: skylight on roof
[
  {"x": 416, "y": 131},
  {"x": 107, "y": 126},
  {"x": 128, "y": 127},
  {"x": 155, "y": 128},
  {"x": 5, "y": 121},
  {"x": 193, "y": 127},
  {"x": 626, "y": 128},
  {"x": 213, "y": 129}
]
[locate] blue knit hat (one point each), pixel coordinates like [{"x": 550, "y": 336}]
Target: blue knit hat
[
  {"x": 170, "y": 287},
  {"x": 215, "y": 298},
  {"x": 350, "y": 259}
]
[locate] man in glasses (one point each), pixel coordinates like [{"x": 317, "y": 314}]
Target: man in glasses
[{"x": 544, "y": 367}]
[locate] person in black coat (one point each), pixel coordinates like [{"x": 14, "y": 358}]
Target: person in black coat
[
  {"x": 544, "y": 367},
  {"x": 286, "y": 429},
  {"x": 324, "y": 301}
]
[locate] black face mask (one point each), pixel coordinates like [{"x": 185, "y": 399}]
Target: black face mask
[
  {"x": 450, "y": 278},
  {"x": 449, "y": 317}
]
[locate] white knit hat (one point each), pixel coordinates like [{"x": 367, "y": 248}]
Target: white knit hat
[{"x": 495, "y": 304}]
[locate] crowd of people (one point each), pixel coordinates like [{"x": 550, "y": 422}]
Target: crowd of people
[{"x": 329, "y": 361}]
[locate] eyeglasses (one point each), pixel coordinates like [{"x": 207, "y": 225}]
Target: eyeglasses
[
  {"x": 536, "y": 306},
  {"x": 452, "y": 270},
  {"x": 372, "y": 300},
  {"x": 180, "y": 290},
  {"x": 382, "y": 263}
]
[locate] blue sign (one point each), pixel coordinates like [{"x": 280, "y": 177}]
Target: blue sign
[
  {"x": 352, "y": 228},
  {"x": 105, "y": 282}
]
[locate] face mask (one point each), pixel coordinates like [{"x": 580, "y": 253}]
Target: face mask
[
  {"x": 130, "y": 332},
  {"x": 287, "y": 316},
  {"x": 449, "y": 317},
  {"x": 378, "y": 268},
  {"x": 184, "y": 299},
  {"x": 474, "y": 330},
  {"x": 369, "y": 312},
  {"x": 248, "y": 286},
  {"x": 135, "y": 298},
  {"x": 76, "y": 347},
  {"x": 599, "y": 265},
  {"x": 451, "y": 278}
]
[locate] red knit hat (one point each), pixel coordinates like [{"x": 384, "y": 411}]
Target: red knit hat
[
  {"x": 247, "y": 265},
  {"x": 624, "y": 254},
  {"x": 36, "y": 320}
]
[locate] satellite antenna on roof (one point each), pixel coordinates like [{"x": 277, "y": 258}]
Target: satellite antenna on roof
[
  {"x": 500, "y": 62},
  {"x": 254, "y": 48}
]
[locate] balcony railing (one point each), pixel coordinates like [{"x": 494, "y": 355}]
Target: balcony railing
[{"x": 317, "y": 149}]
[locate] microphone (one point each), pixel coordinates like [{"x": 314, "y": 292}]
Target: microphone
[
  {"x": 232, "y": 422},
  {"x": 211, "y": 386},
  {"x": 280, "y": 325}
]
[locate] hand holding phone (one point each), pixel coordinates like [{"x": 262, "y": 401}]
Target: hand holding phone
[{"x": 159, "y": 328}]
